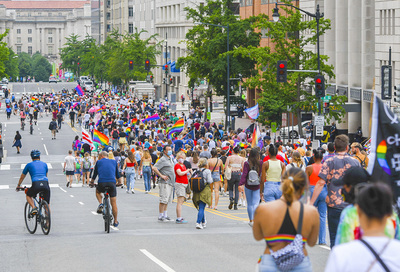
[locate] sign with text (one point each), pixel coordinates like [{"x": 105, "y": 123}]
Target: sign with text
[{"x": 284, "y": 119}]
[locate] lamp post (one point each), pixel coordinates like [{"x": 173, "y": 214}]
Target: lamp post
[
  {"x": 317, "y": 15},
  {"x": 228, "y": 112}
]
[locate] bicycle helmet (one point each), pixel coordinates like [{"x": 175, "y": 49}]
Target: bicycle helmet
[{"x": 35, "y": 154}]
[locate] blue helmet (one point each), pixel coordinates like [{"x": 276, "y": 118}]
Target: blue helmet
[{"x": 35, "y": 154}]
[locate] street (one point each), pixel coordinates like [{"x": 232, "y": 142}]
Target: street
[{"x": 77, "y": 241}]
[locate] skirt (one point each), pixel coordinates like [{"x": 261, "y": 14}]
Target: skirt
[{"x": 17, "y": 144}]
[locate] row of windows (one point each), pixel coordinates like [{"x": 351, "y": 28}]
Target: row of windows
[
  {"x": 387, "y": 22},
  {"x": 244, "y": 3},
  {"x": 49, "y": 40},
  {"x": 49, "y": 31},
  {"x": 49, "y": 50},
  {"x": 38, "y": 14}
]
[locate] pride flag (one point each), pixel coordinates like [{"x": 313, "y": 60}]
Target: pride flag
[
  {"x": 176, "y": 128},
  {"x": 79, "y": 90},
  {"x": 34, "y": 99},
  {"x": 75, "y": 104},
  {"x": 151, "y": 118},
  {"x": 134, "y": 121},
  {"x": 100, "y": 138}
]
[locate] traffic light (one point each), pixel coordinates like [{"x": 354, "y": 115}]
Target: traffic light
[
  {"x": 164, "y": 81},
  {"x": 319, "y": 86},
  {"x": 326, "y": 107},
  {"x": 171, "y": 81},
  {"x": 131, "y": 65},
  {"x": 147, "y": 65},
  {"x": 281, "y": 75},
  {"x": 151, "y": 79},
  {"x": 166, "y": 68},
  {"x": 397, "y": 94}
]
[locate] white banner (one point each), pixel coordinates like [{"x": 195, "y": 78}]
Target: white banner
[{"x": 253, "y": 112}]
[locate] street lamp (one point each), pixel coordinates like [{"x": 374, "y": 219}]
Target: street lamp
[
  {"x": 317, "y": 15},
  {"x": 228, "y": 104}
]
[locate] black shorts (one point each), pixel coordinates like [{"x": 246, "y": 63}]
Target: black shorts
[
  {"x": 112, "y": 191},
  {"x": 40, "y": 186}
]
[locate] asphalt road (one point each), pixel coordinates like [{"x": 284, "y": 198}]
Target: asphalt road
[{"x": 77, "y": 241}]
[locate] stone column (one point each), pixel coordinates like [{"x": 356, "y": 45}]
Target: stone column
[{"x": 330, "y": 35}]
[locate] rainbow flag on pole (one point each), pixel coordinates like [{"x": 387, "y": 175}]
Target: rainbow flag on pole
[
  {"x": 176, "y": 128},
  {"x": 151, "y": 118},
  {"x": 79, "y": 90},
  {"x": 100, "y": 138},
  {"x": 34, "y": 99}
]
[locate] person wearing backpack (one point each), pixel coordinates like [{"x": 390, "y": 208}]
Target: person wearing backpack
[
  {"x": 251, "y": 180},
  {"x": 201, "y": 198},
  {"x": 234, "y": 164},
  {"x": 86, "y": 165},
  {"x": 356, "y": 149},
  {"x": 114, "y": 138},
  {"x": 297, "y": 161},
  {"x": 53, "y": 128}
]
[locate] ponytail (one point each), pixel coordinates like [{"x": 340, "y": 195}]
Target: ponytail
[
  {"x": 288, "y": 189},
  {"x": 293, "y": 180}
]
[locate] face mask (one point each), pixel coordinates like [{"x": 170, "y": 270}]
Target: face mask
[
  {"x": 169, "y": 153},
  {"x": 180, "y": 160}
]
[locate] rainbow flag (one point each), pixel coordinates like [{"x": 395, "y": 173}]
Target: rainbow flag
[
  {"x": 176, "y": 128},
  {"x": 100, "y": 138},
  {"x": 128, "y": 129},
  {"x": 183, "y": 150},
  {"x": 79, "y": 90},
  {"x": 99, "y": 110},
  {"x": 98, "y": 123},
  {"x": 151, "y": 118},
  {"x": 34, "y": 99},
  {"x": 59, "y": 104},
  {"x": 134, "y": 121}
]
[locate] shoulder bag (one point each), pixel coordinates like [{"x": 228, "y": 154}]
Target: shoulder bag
[{"x": 377, "y": 257}]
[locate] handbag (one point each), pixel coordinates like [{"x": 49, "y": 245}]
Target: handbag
[
  {"x": 228, "y": 172},
  {"x": 291, "y": 255}
]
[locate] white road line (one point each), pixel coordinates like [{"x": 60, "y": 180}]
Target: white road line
[
  {"x": 325, "y": 247},
  {"x": 42, "y": 139},
  {"x": 95, "y": 213},
  {"x": 4, "y": 187},
  {"x": 49, "y": 165},
  {"x": 5, "y": 125},
  {"x": 114, "y": 228},
  {"x": 5, "y": 167},
  {"x": 45, "y": 149},
  {"x": 54, "y": 185},
  {"x": 40, "y": 133},
  {"x": 157, "y": 261},
  {"x": 23, "y": 165},
  {"x": 71, "y": 195},
  {"x": 63, "y": 190},
  {"x": 81, "y": 203},
  {"x": 59, "y": 174}
]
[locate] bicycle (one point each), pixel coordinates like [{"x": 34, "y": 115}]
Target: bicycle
[
  {"x": 31, "y": 128},
  {"x": 22, "y": 124},
  {"x": 107, "y": 214},
  {"x": 43, "y": 216}
]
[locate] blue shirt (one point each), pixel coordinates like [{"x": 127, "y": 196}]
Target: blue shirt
[
  {"x": 37, "y": 169},
  {"x": 178, "y": 144},
  {"x": 107, "y": 171}
]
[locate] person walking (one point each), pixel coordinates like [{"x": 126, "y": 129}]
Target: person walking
[
  {"x": 181, "y": 183},
  {"x": 234, "y": 163},
  {"x": 281, "y": 221},
  {"x": 69, "y": 168},
  {"x": 164, "y": 168},
  {"x": 217, "y": 170},
  {"x": 17, "y": 141},
  {"x": 252, "y": 191},
  {"x": 130, "y": 168},
  {"x": 86, "y": 166},
  {"x": 53, "y": 128},
  {"x": 146, "y": 170}
]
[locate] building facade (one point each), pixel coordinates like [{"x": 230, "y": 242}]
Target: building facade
[{"x": 43, "y": 26}]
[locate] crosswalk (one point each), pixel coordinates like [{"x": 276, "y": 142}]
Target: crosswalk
[{"x": 15, "y": 166}]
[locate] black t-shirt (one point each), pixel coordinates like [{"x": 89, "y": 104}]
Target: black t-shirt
[
  {"x": 18, "y": 137},
  {"x": 153, "y": 158},
  {"x": 86, "y": 148},
  {"x": 187, "y": 164}
]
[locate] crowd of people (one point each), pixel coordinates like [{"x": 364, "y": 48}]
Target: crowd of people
[{"x": 291, "y": 191}]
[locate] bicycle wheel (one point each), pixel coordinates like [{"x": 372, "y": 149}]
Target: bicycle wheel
[
  {"x": 45, "y": 218},
  {"x": 107, "y": 215},
  {"x": 30, "y": 220}
]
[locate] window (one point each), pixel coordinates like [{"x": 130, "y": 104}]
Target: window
[
  {"x": 18, "y": 14},
  {"x": 50, "y": 39},
  {"x": 29, "y": 31},
  {"x": 59, "y": 14},
  {"x": 50, "y": 31},
  {"x": 50, "y": 50},
  {"x": 108, "y": 28},
  {"x": 29, "y": 39},
  {"x": 18, "y": 39},
  {"x": 108, "y": 3},
  {"x": 30, "y": 50},
  {"x": 39, "y": 14},
  {"x": 29, "y": 14},
  {"x": 108, "y": 16},
  {"x": 50, "y": 14},
  {"x": 130, "y": 28},
  {"x": 18, "y": 31},
  {"x": 130, "y": 11},
  {"x": 18, "y": 49}
]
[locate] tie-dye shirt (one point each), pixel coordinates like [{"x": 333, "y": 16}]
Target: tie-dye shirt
[{"x": 349, "y": 226}]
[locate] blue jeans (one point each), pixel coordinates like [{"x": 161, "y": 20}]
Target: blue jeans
[
  {"x": 105, "y": 132},
  {"x": 200, "y": 215},
  {"x": 320, "y": 203},
  {"x": 147, "y": 178},
  {"x": 253, "y": 199},
  {"x": 267, "y": 263},
  {"x": 114, "y": 143},
  {"x": 130, "y": 178},
  {"x": 333, "y": 223},
  {"x": 272, "y": 191}
]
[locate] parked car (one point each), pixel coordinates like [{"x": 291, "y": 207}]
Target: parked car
[
  {"x": 4, "y": 80},
  {"x": 52, "y": 79},
  {"x": 293, "y": 132}
]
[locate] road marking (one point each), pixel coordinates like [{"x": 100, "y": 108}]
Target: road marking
[
  {"x": 38, "y": 128},
  {"x": 4, "y": 187},
  {"x": 62, "y": 190},
  {"x": 5, "y": 125},
  {"x": 54, "y": 185},
  {"x": 42, "y": 139},
  {"x": 23, "y": 165},
  {"x": 81, "y": 203},
  {"x": 45, "y": 148},
  {"x": 71, "y": 195},
  {"x": 40, "y": 133},
  {"x": 62, "y": 164},
  {"x": 157, "y": 261},
  {"x": 325, "y": 247},
  {"x": 59, "y": 174},
  {"x": 5, "y": 167},
  {"x": 49, "y": 165},
  {"x": 114, "y": 228},
  {"x": 95, "y": 213}
]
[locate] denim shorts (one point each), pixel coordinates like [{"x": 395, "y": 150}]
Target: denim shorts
[
  {"x": 267, "y": 263},
  {"x": 216, "y": 176}
]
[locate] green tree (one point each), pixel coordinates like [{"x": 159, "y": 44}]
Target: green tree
[
  {"x": 24, "y": 64},
  {"x": 11, "y": 65},
  {"x": 41, "y": 68},
  {"x": 207, "y": 45},
  {"x": 71, "y": 53},
  {"x": 288, "y": 43},
  {"x": 4, "y": 54}
]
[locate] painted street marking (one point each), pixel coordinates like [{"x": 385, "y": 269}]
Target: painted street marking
[
  {"x": 157, "y": 261},
  {"x": 5, "y": 167},
  {"x": 2, "y": 187},
  {"x": 42, "y": 139},
  {"x": 49, "y": 165},
  {"x": 62, "y": 190},
  {"x": 95, "y": 213},
  {"x": 5, "y": 125},
  {"x": 81, "y": 203},
  {"x": 45, "y": 149},
  {"x": 114, "y": 228},
  {"x": 59, "y": 174},
  {"x": 23, "y": 165},
  {"x": 54, "y": 185},
  {"x": 71, "y": 195}
]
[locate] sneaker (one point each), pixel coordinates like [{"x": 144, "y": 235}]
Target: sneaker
[
  {"x": 146, "y": 192},
  {"x": 133, "y": 191},
  {"x": 100, "y": 209},
  {"x": 244, "y": 203},
  {"x": 127, "y": 191},
  {"x": 204, "y": 225},
  {"x": 67, "y": 184},
  {"x": 224, "y": 194},
  {"x": 161, "y": 219},
  {"x": 230, "y": 205},
  {"x": 235, "y": 207},
  {"x": 251, "y": 224},
  {"x": 167, "y": 219},
  {"x": 116, "y": 224},
  {"x": 240, "y": 202},
  {"x": 199, "y": 226},
  {"x": 34, "y": 211},
  {"x": 181, "y": 221}
]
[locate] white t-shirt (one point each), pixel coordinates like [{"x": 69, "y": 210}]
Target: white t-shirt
[
  {"x": 355, "y": 256},
  {"x": 70, "y": 163}
]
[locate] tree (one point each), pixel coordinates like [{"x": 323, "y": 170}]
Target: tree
[
  {"x": 71, "y": 53},
  {"x": 288, "y": 43},
  {"x": 4, "y": 54},
  {"x": 11, "y": 65},
  {"x": 24, "y": 64},
  {"x": 207, "y": 45},
  {"x": 41, "y": 68}
]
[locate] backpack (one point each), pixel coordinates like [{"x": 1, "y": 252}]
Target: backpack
[
  {"x": 197, "y": 182},
  {"x": 115, "y": 134},
  {"x": 294, "y": 166},
  {"x": 86, "y": 164},
  {"x": 363, "y": 164},
  {"x": 253, "y": 178}
]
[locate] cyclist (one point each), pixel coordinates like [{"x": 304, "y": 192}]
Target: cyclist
[
  {"x": 40, "y": 183},
  {"x": 108, "y": 173}
]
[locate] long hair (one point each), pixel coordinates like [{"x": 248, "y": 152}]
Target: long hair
[{"x": 254, "y": 159}]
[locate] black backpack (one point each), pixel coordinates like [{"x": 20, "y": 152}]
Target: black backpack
[
  {"x": 197, "y": 182},
  {"x": 115, "y": 134}
]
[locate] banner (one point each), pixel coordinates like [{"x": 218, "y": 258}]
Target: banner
[
  {"x": 253, "y": 112},
  {"x": 384, "y": 160}
]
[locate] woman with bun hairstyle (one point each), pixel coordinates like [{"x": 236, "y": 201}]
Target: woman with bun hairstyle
[
  {"x": 272, "y": 171},
  {"x": 375, "y": 251},
  {"x": 277, "y": 221},
  {"x": 312, "y": 172}
]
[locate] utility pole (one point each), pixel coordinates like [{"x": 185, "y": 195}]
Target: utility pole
[{"x": 166, "y": 60}]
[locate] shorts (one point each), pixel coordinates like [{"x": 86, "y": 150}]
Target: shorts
[
  {"x": 112, "y": 191},
  {"x": 165, "y": 193},
  {"x": 85, "y": 170},
  {"x": 69, "y": 173},
  {"x": 180, "y": 189},
  {"x": 95, "y": 153},
  {"x": 267, "y": 263},
  {"x": 216, "y": 176},
  {"x": 40, "y": 186}
]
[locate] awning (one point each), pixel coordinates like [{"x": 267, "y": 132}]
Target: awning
[{"x": 174, "y": 69}]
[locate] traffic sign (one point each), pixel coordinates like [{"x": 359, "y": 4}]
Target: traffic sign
[
  {"x": 319, "y": 131},
  {"x": 273, "y": 127},
  {"x": 326, "y": 98},
  {"x": 319, "y": 120}
]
